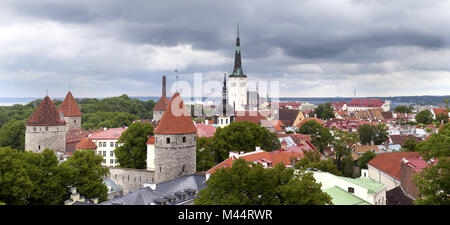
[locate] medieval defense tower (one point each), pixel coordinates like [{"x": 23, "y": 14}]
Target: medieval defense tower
[
  {"x": 162, "y": 103},
  {"x": 45, "y": 129},
  {"x": 71, "y": 112},
  {"x": 175, "y": 142}
]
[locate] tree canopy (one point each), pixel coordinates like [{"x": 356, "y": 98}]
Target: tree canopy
[
  {"x": 324, "y": 111},
  {"x": 38, "y": 178},
  {"x": 133, "y": 152},
  {"x": 403, "y": 109},
  {"x": 253, "y": 185},
  {"x": 12, "y": 134},
  {"x": 312, "y": 161},
  {"x": 434, "y": 182},
  {"x": 365, "y": 158},
  {"x": 376, "y": 133},
  {"x": 320, "y": 135},
  {"x": 424, "y": 117}
]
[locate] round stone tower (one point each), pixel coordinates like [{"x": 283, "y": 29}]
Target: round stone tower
[
  {"x": 71, "y": 112},
  {"x": 45, "y": 129},
  {"x": 175, "y": 142}
]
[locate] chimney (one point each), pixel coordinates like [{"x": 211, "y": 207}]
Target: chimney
[{"x": 164, "y": 86}]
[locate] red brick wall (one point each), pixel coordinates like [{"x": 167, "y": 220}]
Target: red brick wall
[{"x": 407, "y": 174}]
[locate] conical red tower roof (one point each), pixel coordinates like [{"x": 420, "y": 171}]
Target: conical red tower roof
[
  {"x": 162, "y": 104},
  {"x": 69, "y": 107},
  {"x": 86, "y": 143},
  {"x": 176, "y": 119},
  {"x": 46, "y": 114}
]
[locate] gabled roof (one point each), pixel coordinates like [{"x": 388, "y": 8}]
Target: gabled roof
[
  {"x": 86, "y": 143},
  {"x": 69, "y": 107},
  {"x": 437, "y": 111},
  {"x": 162, "y": 104},
  {"x": 288, "y": 116},
  {"x": 46, "y": 114},
  {"x": 110, "y": 134},
  {"x": 151, "y": 140},
  {"x": 176, "y": 119},
  {"x": 390, "y": 163}
]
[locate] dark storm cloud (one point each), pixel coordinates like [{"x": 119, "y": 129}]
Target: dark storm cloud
[{"x": 315, "y": 41}]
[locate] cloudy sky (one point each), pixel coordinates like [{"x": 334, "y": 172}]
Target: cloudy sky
[{"x": 313, "y": 48}]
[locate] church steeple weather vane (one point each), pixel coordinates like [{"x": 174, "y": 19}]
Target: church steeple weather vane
[{"x": 237, "y": 71}]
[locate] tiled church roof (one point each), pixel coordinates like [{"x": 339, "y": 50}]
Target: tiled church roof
[
  {"x": 69, "y": 106},
  {"x": 162, "y": 104},
  {"x": 46, "y": 114},
  {"x": 176, "y": 120}
]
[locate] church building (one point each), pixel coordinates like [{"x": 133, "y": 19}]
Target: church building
[{"x": 237, "y": 95}]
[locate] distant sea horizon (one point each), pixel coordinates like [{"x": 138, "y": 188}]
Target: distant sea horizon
[{"x": 395, "y": 100}]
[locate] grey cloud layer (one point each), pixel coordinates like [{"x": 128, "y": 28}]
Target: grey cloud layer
[{"x": 318, "y": 41}]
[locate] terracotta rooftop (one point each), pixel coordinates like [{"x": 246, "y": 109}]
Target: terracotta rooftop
[
  {"x": 176, "y": 119},
  {"x": 390, "y": 163},
  {"x": 86, "y": 143},
  {"x": 151, "y": 140},
  {"x": 162, "y": 104},
  {"x": 439, "y": 111},
  {"x": 365, "y": 103},
  {"x": 418, "y": 164},
  {"x": 271, "y": 158},
  {"x": 401, "y": 139},
  {"x": 69, "y": 107},
  {"x": 205, "y": 130},
  {"x": 46, "y": 114},
  {"x": 249, "y": 116},
  {"x": 110, "y": 134},
  {"x": 288, "y": 116}
]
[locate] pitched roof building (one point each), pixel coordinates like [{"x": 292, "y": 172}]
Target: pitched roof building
[
  {"x": 177, "y": 119},
  {"x": 86, "y": 144}
]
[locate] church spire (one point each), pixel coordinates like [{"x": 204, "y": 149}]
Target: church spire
[{"x": 237, "y": 71}]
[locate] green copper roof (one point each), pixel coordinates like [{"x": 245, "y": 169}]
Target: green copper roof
[
  {"x": 366, "y": 182},
  {"x": 342, "y": 197}
]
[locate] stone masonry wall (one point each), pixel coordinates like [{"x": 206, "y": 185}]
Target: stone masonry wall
[
  {"x": 157, "y": 115},
  {"x": 73, "y": 123},
  {"x": 38, "y": 138},
  {"x": 171, "y": 158},
  {"x": 130, "y": 180}
]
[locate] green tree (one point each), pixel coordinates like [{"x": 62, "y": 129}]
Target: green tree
[
  {"x": 365, "y": 158},
  {"x": 320, "y": 135},
  {"x": 133, "y": 152},
  {"x": 242, "y": 136},
  {"x": 324, "y": 111},
  {"x": 205, "y": 156},
  {"x": 434, "y": 182},
  {"x": 84, "y": 171},
  {"x": 402, "y": 109},
  {"x": 442, "y": 118},
  {"x": 376, "y": 133},
  {"x": 310, "y": 127},
  {"x": 424, "y": 117},
  {"x": 313, "y": 161},
  {"x": 343, "y": 144},
  {"x": 15, "y": 183},
  {"x": 12, "y": 134},
  {"x": 253, "y": 185},
  {"x": 410, "y": 145}
]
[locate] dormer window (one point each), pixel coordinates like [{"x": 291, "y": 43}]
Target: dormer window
[{"x": 351, "y": 190}]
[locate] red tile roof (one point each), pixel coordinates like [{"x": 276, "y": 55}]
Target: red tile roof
[
  {"x": 176, "y": 119},
  {"x": 86, "y": 143},
  {"x": 418, "y": 164},
  {"x": 162, "y": 104},
  {"x": 439, "y": 111},
  {"x": 390, "y": 163},
  {"x": 205, "y": 130},
  {"x": 151, "y": 140},
  {"x": 272, "y": 158},
  {"x": 366, "y": 103},
  {"x": 110, "y": 134},
  {"x": 69, "y": 107},
  {"x": 249, "y": 116},
  {"x": 46, "y": 114}
]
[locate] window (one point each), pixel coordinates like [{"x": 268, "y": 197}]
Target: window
[
  {"x": 111, "y": 144},
  {"x": 183, "y": 168},
  {"x": 184, "y": 139},
  {"x": 75, "y": 122},
  {"x": 39, "y": 147},
  {"x": 111, "y": 153},
  {"x": 104, "y": 153},
  {"x": 104, "y": 144},
  {"x": 34, "y": 128},
  {"x": 46, "y": 128},
  {"x": 351, "y": 190},
  {"x": 104, "y": 160},
  {"x": 115, "y": 144},
  {"x": 168, "y": 140},
  {"x": 160, "y": 169},
  {"x": 111, "y": 161}
]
